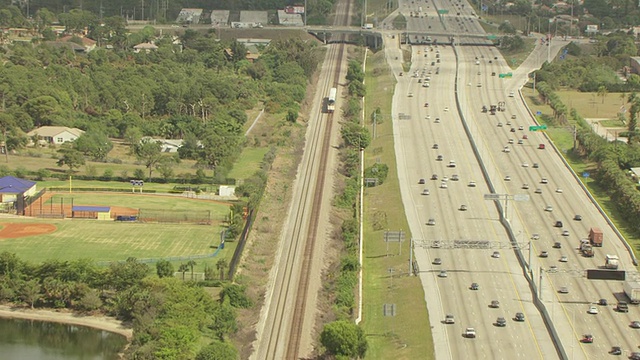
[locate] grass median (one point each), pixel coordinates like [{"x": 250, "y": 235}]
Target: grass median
[{"x": 407, "y": 335}]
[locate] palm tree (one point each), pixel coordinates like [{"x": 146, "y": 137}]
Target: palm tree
[
  {"x": 191, "y": 264},
  {"x": 602, "y": 92},
  {"x": 183, "y": 269},
  {"x": 221, "y": 265}
]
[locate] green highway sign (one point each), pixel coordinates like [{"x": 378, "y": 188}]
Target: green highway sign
[
  {"x": 443, "y": 11},
  {"x": 506, "y": 75},
  {"x": 491, "y": 37},
  {"x": 536, "y": 128}
]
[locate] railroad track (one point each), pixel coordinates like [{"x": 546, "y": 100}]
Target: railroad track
[{"x": 282, "y": 334}]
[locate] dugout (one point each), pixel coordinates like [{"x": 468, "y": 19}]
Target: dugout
[{"x": 91, "y": 212}]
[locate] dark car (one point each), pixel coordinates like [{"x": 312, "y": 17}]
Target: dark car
[
  {"x": 615, "y": 350},
  {"x": 602, "y": 302},
  {"x": 622, "y": 307},
  {"x": 501, "y": 322},
  {"x": 513, "y": 129},
  {"x": 559, "y": 223},
  {"x": 474, "y": 286},
  {"x": 421, "y": 181},
  {"x": 634, "y": 356},
  {"x": 577, "y": 218},
  {"x": 519, "y": 317},
  {"x": 434, "y": 177},
  {"x": 557, "y": 245},
  {"x": 495, "y": 304},
  {"x": 587, "y": 339}
]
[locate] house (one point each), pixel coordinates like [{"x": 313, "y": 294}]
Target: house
[
  {"x": 189, "y": 16},
  {"x": 634, "y": 62},
  {"x": 87, "y": 44},
  {"x": 11, "y": 188},
  {"x": 146, "y": 47},
  {"x": 168, "y": 145},
  {"x": 55, "y": 134}
]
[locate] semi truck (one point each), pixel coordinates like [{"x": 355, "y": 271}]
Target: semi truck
[
  {"x": 632, "y": 289},
  {"x": 586, "y": 249},
  {"x": 595, "y": 236},
  {"x": 611, "y": 261}
]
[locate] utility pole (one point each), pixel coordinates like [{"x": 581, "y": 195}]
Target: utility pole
[{"x": 142, "y": 9}]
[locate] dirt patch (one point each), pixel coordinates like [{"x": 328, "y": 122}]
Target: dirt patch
[{"x": 16, "y": 230}]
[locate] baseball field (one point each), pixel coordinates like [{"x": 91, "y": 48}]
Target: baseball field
[{"x": 35, "y": 239}]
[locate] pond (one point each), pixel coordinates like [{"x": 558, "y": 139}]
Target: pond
[{"x": 26, "y": 339}]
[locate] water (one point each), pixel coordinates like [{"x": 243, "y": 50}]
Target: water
[{"x": 36, "y": 340}]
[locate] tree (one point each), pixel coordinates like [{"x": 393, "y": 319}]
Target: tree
[
  {"x": 93, "y": 143},
  {"x": 148, "y": 151},
  {"x": 602, "y": 92},
  {"x": 126, "y": 274},
  {"x": 6, "y": 122},
  {"x": 191, "y": 264},
  {"x": 237, "y": 296},
  {"x": 218, "y": 350},
  {"x": 30, "y": 292},
  {"x": 183, "y": 269},
  {"x": 164, "y": 268},
  {"x": 70, "y": 157},
  {"x": 221, "y": 265},
  {"x": 344, "y": 338},
  {"x": 355, "y": 135},
  {"x": 90, "y": 301}
]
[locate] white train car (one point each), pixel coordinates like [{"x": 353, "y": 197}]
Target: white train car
[{"x": 331, "y": 100}]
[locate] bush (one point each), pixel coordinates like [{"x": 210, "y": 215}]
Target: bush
[{"x": 236, "y": 295}]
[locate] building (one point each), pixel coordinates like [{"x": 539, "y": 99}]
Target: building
[
  {"x": 87, "y": 44},
  {"x": 54, "y": 134},
  {"x": 189, "y": 16},
  {"x": 289, "y": 19},
  {"x": 13, "y": 191},
  {"x": 145, "y": 47},
  {"x": 168, "y": 145},
  {"x": 219, "y": 18}
]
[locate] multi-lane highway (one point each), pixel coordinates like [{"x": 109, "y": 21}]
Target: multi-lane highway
[{"x": 521, "y": 170}]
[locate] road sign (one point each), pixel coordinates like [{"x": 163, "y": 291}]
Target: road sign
[
  {"x": 492, "y": 196},
  {"x": 492, "y": 37},
  {"x": 536, "y": 128},
  {"x": 521, "y": 197},
  {"x": 443, "y": 11},
  {"x": 585, "y": 174}
]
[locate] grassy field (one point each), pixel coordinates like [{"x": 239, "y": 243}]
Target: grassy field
[
  {"x": 112, "y": 241},
  {"x": 563, "y": 139},
  {"x": 248, "y": 163},
  {"x": 406, "y": 335},
  {"x": 75, "y": 184},
  {"x": 590, "y": 105}
]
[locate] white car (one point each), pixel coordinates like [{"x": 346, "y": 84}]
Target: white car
[
  {"x": 525, "y": 164},
  {"x": 592, "y": 310},
  {"x": 506, "y": 149},
  {"x": 559, "y": 191},
  {"x": 565, "y": 233},
  {"x": 431, "y": 222},
  {"x": 510, "y": 141},
  {"x": 410, "y": 95},
  {"x": 525, "y": 186},
  {"x": 425, "y": 192},
  {"x": 563, "y": 258},
  {"x": 495, "y": 255},
  {"x": 507, "y": 178},
  {"x": 470, "y": 333},
  {"x": 443, "y": 185},
  {"x": 544, "y": 181},
  {"x": 428, "y": 117},
  {"x": 446, "y": 109},
  {"x": 443, "y": 274},
  {"x": 548, "y": 208},
  {"x": 472, "y": 184}
]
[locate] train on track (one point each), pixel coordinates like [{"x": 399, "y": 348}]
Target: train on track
[{"x": 331, "y": 100}]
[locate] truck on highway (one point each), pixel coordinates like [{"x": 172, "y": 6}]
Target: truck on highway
[
  {"x": 586, "y": 249},
  {"x": 611, "y": 262},
  {"x": 632, "y": 289},
  {"x": 368, "y": 26},
  {"x": 595, "y": 236}
]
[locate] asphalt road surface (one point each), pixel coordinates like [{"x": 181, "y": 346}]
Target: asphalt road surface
[{"x": 416, "y": 131}]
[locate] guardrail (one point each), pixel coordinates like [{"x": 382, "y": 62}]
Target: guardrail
[
  {"x": 584, "y": 188},
  {"x": 505, "y": 223}
]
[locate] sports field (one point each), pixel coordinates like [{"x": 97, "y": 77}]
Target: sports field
[{"x": 35, "y": 240}]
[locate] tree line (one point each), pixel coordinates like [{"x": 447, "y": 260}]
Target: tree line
[{"x": 171, "y": 319}]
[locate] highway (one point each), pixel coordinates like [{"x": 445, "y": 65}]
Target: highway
[{"x": 499, "y": 278}]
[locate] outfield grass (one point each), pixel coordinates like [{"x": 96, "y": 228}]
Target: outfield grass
[
  {"x": 248, "y": 162},
  {"x": 563, "y": 138},
  {"x": 406, "y": 335}
]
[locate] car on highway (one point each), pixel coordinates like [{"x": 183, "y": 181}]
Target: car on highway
[
  {"x": 563, "y": 258},
  {"x": 472, "y": 184},
  {"x": 506, "y": 149},
  {"x": 455, "y": 177},
  {"x": 470, "y": 333},
  {"x": 577, "y": 217},
  {"x": 565, "y": 233},
  {"x": 499, "y": 124},
  {"x": 449, "y": 319},
  {"x": 437, "y": 261},
  {"x": 494, "y": 304},
  {"x": 446, "y": 108},
  {"x": 495, "y": 255},
  {"x": 507, "y": 178},
  {"x": 615, "y": 350},
  {"x": 525, "y": 164},
  {"x": 519, "y": 317},
  {"x": 439, "y": 158},
  {"x": 434, "y": 177},
  {"x": 443, "y": 185},
  {"x": 428, "y": 117},
  {"x": 437, "y": 121},
  {"x": 541, "y": 146},
  {"x": 525, "y": 137},
  {"x": 634, "y": 356},
  {"x": 501, "y": 322},
  {"x": 474, "y": 286},
  {"x": 520, "y": 127},
  {"x": 477, "y": 62},
  {"x": 548, "y": 208},
  {"x": 463, "y": 208},
  {"x": 425, "y": 192},
  {"x": 603, "y": 302},
  {"x": 544, "y": 254},
  {"x": 410, "y": 94},
  {"x": 536, "y": 165},
  {"x": 443, "y": 274},
  {"x": 592, "y": 310},
  {"x": 635, "y": 324},
  {"x": 544, "y": 181},
  {"x": 513, "y": 117},
  {"x": 558, "y": 223},
  {"x": 587, "y": 339},
  {"x": 535, "y": 236},
  {"x": 435, "y": 146},
  {"x": 511, "y": 94},
  {"x": 452, "y": 164},
  {"x": 421, "y": 181},
  {"x": 559, "y": 190},
  {"x": 510, "y": 141},
  {"x": 557, "y": 245},
  {"x": 538, "y": 191},
  {"x": 520, "y": 142},
  {"x": 513, "y": 129},
  {"x": 525, "y": 186},
  {"x": 563, "y": 290},
  {"x": 431, "y": 222}
]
